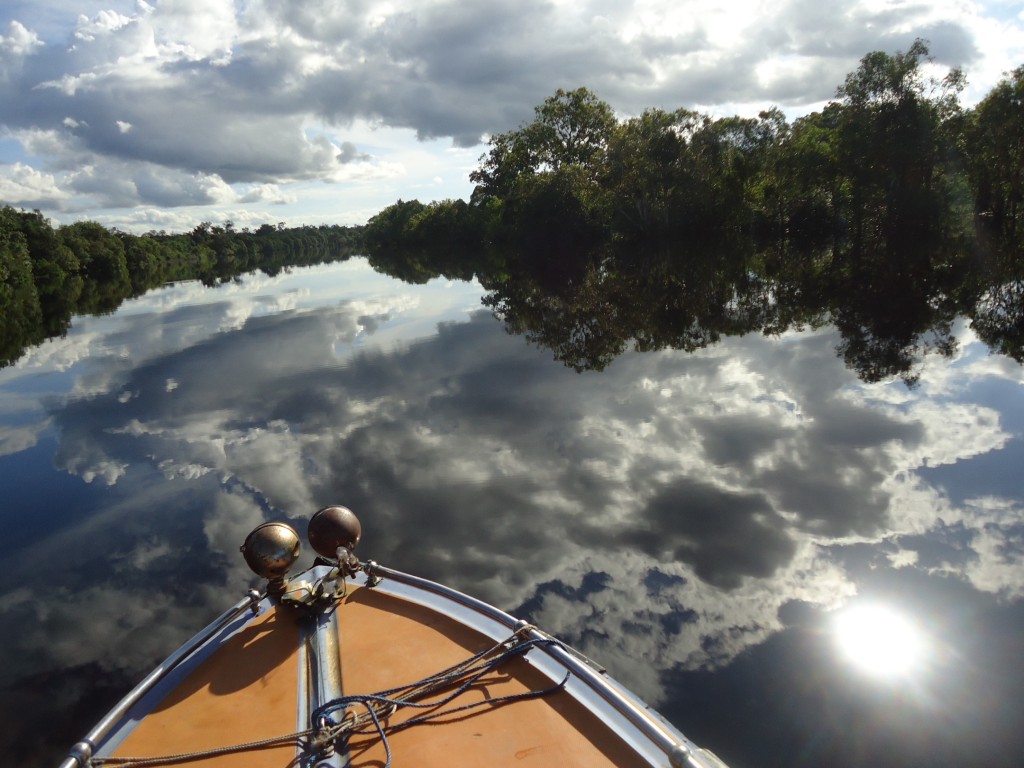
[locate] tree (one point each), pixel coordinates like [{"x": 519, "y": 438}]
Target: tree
[
  {"x": 47, "y": 276},
  {"x": 647, "y": 174},
  {"x": 891, "y": 146},
  {"x": 100, "y": 252},
  {"x": 811, "y": 190},
  {"x": 571, "y": 128},
  {"x": 416, "y": 242},
  {"x": 20, "y": 312},
  {"x": 996, "y": 153},
  {"x": 390, "y": 228}
]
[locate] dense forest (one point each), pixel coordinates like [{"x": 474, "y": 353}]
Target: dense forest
[
  {"x": 48, "y": 275},
  {"x": 890, "y": 213}
]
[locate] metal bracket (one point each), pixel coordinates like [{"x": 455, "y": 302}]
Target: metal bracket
[{"x": 373, "y": 578}]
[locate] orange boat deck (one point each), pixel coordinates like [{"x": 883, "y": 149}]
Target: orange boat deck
[{"x": 250, "y": 689}]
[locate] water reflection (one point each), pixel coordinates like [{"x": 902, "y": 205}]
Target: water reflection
[
  {"x": 892, "y": 292},
  {"x": 881, "y": 641},
  {"x": 691, "y": 520},
  {"x": 791, "y": 697}
]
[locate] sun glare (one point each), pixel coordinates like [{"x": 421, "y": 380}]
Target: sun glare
[{"x": 880, "y": 641}]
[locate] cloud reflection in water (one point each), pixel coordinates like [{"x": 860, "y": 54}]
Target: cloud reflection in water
[{"x": 670, "y": 515}]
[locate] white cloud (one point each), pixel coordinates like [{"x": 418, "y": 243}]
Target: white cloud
[
  {"x": 19, "y": 41},
  {"x": 103, "y": 23},
  {"x": 121, "y": 185},
  {"x": 57, "y": 354},
  {"x": 222, "y": 90},
  {"x": 267, "y": 193},
  {"x": 999, "y": 544},
  {"x": 194, "y": 28},
  {"x": 706, "y": 428},
  {"x": 58, "y": 143},
  {"x": 17, "y": 439},
  {"x": 107, "y": 471},
  {"x": 23, "y": 186}
]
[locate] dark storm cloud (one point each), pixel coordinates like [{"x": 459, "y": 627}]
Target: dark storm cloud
[
  {"x": 723, "y": 535},
  {"x": 462, "y": 70},
  {"x": 737, "y": 440},
  {"x": 471, "y": 69}
]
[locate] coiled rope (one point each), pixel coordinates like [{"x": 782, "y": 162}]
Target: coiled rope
[{"x": 327, "y": 734}]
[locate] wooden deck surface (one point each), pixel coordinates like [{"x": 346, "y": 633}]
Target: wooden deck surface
[
  {"x": 410, "y": 643},
  {"x": 248, "y": 690}
]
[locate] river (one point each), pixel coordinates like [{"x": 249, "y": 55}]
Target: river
[{"x": 796, "y": 567}]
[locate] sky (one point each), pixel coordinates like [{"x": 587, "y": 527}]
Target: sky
[{"x": 160, "y": 115}]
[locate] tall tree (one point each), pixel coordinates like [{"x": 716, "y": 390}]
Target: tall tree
[
  {"x": 650, "y": 172},
  {"x": 20, "y": 312},
  {"x": 571, "y": 128},
  {"x": 891, "y": 142},
  {"x": 996, "y": 151}
]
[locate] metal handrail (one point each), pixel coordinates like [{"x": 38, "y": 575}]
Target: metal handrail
[
  {"x": 680, "y": 753},
  {"x": 81, "y": 752}
]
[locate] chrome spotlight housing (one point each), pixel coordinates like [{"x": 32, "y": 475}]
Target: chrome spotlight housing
[
  {"x": 333, "y": 528},
  {"x": 271, "y": 549}
]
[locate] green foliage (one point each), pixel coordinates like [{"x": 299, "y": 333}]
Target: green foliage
[
  {"x": 543, "y": 210},
  {"x": 570, "y": 130},
  {"x": 884, "y": 157},
  {"x": 20, "y": 311},
  {"x": 803, "y": 195},
  {"x": 48, "y": 275},
  {"x": 999, "y": 317},
  {"x": 99, "y": 252},
  {"x": 102, "y": 264},
  {"x": 995, "y": 149},
  {"x": 671, "y": 228},
  {"x": 390, "y": 228},
  {"x": 651, "y": 172},
  {"x": 416, "y": 242},
  {"x": 892, "y": 150},
  {"x": 883, "y": 79}
]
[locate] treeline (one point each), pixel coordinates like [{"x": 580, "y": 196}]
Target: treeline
[
  {"x": 891, "y": 150},
  {"x": 48, "y": 275},
  {"x": 673, "y": 228}
]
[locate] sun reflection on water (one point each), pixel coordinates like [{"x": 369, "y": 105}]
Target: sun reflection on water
[{"x": 881, "y": 641}]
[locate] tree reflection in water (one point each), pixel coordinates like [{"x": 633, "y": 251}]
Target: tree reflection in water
[{"x": 893, "y": 297}]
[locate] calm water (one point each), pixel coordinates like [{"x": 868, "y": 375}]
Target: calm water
[{"x": 797, "y": 568}]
